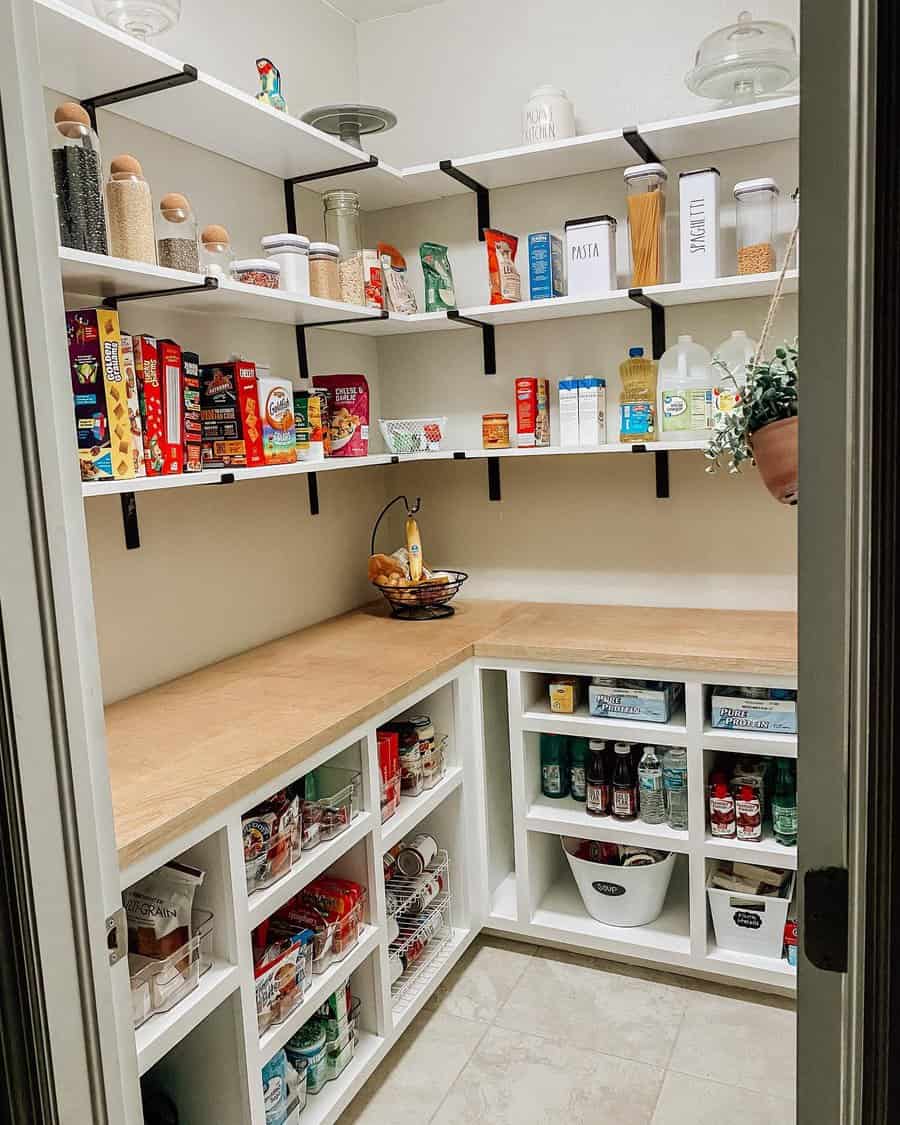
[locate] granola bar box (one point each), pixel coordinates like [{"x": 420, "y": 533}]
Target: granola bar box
[{"x": 102, "y": 425}]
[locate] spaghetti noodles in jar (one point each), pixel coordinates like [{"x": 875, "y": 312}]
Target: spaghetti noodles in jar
[{"x": 645, "y": 191}]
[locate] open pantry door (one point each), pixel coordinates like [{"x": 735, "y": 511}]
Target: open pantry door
[{"x": 68, "y": 1047}]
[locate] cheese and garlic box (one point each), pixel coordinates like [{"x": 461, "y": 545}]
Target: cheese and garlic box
[{"x": 106, "y": 449}]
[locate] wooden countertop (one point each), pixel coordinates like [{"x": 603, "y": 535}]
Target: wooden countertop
[{"x": 183, "y": 751}]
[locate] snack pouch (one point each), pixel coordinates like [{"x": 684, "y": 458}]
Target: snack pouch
[
  {"x": 398, "y": 295},
  {"x": 439, "y": 291},
  {"x": 158, "y": 908},
  {"x": 349, "y": 419},
  {"x": 506, "y": 285}
]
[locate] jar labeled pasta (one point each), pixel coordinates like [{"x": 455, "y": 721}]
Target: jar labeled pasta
[
  {"x": 323, "y": 271},
  {"x": 756, "y": 209},
  {"x": 130, "y": 211},
  {"x": 645, "y": 191},
  {"x": 342, "y": 227}
]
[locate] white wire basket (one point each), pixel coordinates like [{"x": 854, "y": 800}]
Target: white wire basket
[
  {"x": 413, "y": 435},
  {"x": 422, "y": 906}
]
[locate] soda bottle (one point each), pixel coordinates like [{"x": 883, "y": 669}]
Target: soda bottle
[
  {"x": 597, "y": 781},
  {"x": 578, "y": 764},
  {"x": 624, "y": 785},
  {"x": 554, "y": 766},
  {"x": 650, "y": 786},
  {"x": 784, "y": 804}
]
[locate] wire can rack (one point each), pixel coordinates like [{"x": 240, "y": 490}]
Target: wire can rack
[{"x": 425, "y": 923}]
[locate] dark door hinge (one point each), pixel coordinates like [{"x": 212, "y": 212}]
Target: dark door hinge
[{"x": 826, "y": 904}]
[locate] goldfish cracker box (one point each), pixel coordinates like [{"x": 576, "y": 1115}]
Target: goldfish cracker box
[
  {"x": 276, "y": 409},
  {"x": 230, "y": 416},
  {"x": 106, "y": 449},
  {"x": 532, "y": 412}
]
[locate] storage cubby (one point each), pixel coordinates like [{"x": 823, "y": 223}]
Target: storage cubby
[
  {"x": 498, "y": 794},
  {"x": 748, "y": 921},
  {"x": 767, "y": 850}
]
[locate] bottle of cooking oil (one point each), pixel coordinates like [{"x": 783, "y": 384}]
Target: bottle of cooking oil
[{"x": 637, "y": 402}]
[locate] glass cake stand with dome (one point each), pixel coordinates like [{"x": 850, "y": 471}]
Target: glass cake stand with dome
[{"x": 744, "y": 61}]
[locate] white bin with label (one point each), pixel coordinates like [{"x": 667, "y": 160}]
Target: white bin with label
[
  {"x": 620, "y": 896},
  {"x": 750, "y": 923}
]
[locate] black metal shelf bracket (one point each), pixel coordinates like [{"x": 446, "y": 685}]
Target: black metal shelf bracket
[
  {"x": 290, "y": 207},
  {"x": 493, "y": 464},
  {"x": 633, "y": 137},
  {"x": 487, "y": 339},
  {"x": 187, "y": 74},
  {"x": 312, "y": 485},
  {"x": 302, "y": 354},
  {"x": 658, "y": 340},
  {"x": 482, "y": 195},
  {"x": 130, "y": 521},
  {"x": 207, "y": 286}
]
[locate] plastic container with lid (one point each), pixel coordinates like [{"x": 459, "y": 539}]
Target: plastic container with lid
[
  {"x": 756, "y": 214},
  {"x": 645, "y": 193},
  {"x": 686, "y": 383},
  {"x": 736, "y": 353},
  {"x": 324, "y": 280},
  {"x": 78, "y": 180},
  {"x": 342, "y": 228},
  {"x": 637, "y": 403},
  {"x": 176, "y": 234},
  {"x": 291, "y": 252},
  {"x": 129, "y": 207},
  {"x": 256, "y": 271},
  {"x": 216, "y": 254},
  {"x": 744, "y": 60}
]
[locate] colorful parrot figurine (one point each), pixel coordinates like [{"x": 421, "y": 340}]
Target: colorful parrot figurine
[{"x": 270, "y": 81}]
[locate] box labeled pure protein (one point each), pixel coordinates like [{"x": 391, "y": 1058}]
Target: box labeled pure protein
[
  {"x": 229, "y": 412},
  {"x": 102, "y": 426},
  {"x": 532, "y": 412},
  {"x": 651, "y": 702},
  {"x": 193, "y": 434},
  {"x": 735, "y": 712}
]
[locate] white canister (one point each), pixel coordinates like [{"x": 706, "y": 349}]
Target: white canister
[
  {"x": 548, "y": 116},
  {"x": 291, "y": 252},
  {"x": 698, "y": 196},
  {"x": 591, "y": 255}
]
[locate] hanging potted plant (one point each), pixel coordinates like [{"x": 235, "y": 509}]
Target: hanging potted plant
[{"x": 763, "y": 425}]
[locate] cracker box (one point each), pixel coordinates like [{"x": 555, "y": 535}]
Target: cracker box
[
  {"x": 190, "y": 364},
  {"x": 732, "y": 711},
  {"x": 649, "y": 701},
  {"x": 102, "y": 426},
  {"x": 532, "y": 412},
  {"x": 171, "y": 381},
  {"x": 276, "y": 411},
  {"x": 146, "y": 364},
  {"x": 229, "y": 411},
  {"x": 134, "y": 405}
]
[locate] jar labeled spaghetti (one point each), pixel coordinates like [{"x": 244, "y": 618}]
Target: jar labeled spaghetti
[{"x": 645, "y": 191}]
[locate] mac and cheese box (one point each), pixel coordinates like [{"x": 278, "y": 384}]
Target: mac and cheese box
[
  {"x": 106, "y": 449},
  {"x": 231, "y": 426}
]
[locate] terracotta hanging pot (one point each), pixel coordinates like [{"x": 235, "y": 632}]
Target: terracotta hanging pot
[{"x": 776, "y": 452}]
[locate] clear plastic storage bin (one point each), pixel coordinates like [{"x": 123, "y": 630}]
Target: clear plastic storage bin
[
  {"x": 332, "y": 812},
  {"x": 157, "y": 986},
  {"x": 270, "y": 863}
]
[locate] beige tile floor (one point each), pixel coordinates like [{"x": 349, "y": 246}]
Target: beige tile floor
[{"x": 523, "y": 1036}]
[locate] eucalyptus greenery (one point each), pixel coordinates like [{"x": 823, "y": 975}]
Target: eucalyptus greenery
[{"x": 769, "y": 395}]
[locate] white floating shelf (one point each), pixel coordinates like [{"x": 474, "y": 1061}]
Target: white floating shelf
[
  {"x": 262, "y": 904},
  {"x": 567, "y": 817},
  {"x": 750, "y": 742},
  {"x": 414, "y": 809},
  {"x": 322, "y": 987},
  {"x": 540, "y": 719},
  {"x": 768, "y": 852},
  {"x": 228, "y": 121},
  {"x": 164, "y": 1030}
]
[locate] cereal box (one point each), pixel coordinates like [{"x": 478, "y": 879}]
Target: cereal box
[
  {"x": 190, "y": 364},
  {"x": 146, "y": 365},
  {"x": 134, "y": 405},
  {"x": 229, "y": 412},
  {"x": 276, "y": 410},
  {"x": 171, "y": 381},
  {"x": 102, "y": 426},
  {"x": 532, "y": 412}
]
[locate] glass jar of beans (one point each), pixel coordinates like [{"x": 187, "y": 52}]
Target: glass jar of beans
[
  {"x": 78, "y": 180},
  {"x": 756, "y": 212},
  {"x": 176, "y": 230}
]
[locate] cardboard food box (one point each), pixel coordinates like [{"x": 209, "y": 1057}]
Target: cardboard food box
[
  {"x": 229, "y": 411},
  {"x": 171, "y": 383},
  {"x": 106, "y": 449},
  {"x": 546, "y": 266},
  {"x": 736, "y": 712},
  {"x": 134, "y": 405},
  {"x": 651, "y": 702},
  {"x": 276, "y": 411},
  {"x": 532, "y": 412},
  {"x": 565, "y": 692},
  {"x": 146, "y": 363},
  {"x": 193, "y": 433}
]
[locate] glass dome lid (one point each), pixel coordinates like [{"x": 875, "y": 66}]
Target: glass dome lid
[{"x": 744, "y": 60}]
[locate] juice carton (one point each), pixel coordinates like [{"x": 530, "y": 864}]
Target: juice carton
[{"x": 106, "y": 450}]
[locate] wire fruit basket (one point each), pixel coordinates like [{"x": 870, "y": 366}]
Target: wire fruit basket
[{"x": 413, "y": 435}]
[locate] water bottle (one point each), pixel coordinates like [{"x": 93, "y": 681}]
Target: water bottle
[
  {"x": 650, "y": 788},
  {"x": 675, "y": 782}
]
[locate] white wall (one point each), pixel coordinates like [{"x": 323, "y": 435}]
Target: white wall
[
  {"x": 311, "y": 43},
  {"x": 458, "y": 73}
]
